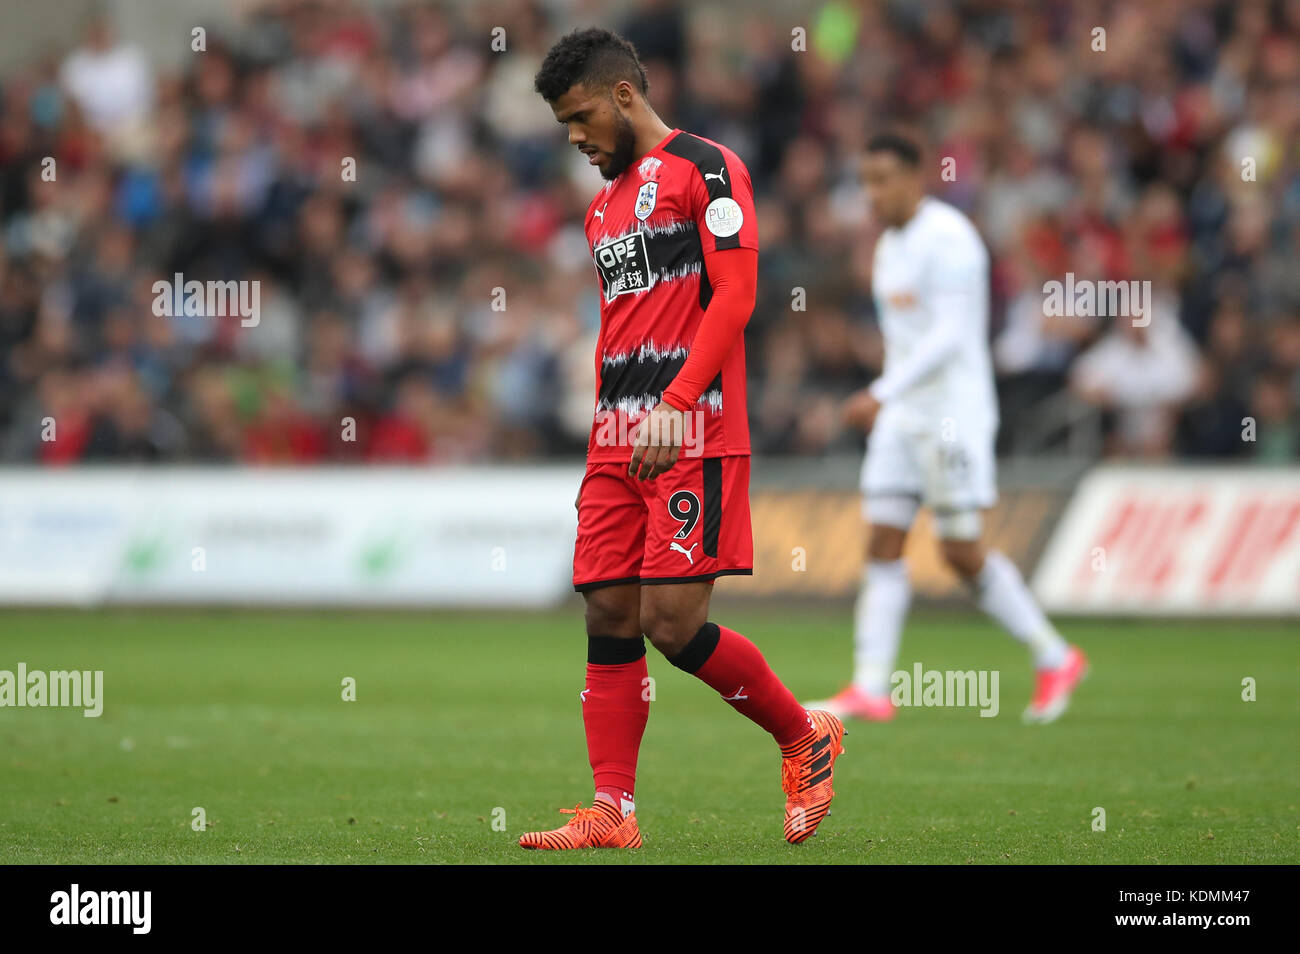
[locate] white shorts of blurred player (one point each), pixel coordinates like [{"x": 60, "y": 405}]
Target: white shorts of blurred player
[{"x": 952, "y": 471}]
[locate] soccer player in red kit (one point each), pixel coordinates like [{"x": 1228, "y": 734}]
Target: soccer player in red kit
[{"x": 663, "y": 509}]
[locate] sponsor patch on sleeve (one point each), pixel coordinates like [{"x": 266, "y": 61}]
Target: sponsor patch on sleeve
[{"x": 724, "y": 217}]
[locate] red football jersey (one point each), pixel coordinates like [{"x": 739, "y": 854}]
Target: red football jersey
[{"x": 648, "y": 231}]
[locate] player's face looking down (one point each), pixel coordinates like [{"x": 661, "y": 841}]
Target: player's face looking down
[
  {"x": 599, "y": 125},
  {"x": 893, "y": 187}
]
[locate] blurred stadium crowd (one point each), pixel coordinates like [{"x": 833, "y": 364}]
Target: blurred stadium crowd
[{"x": 1169, "y": 156}]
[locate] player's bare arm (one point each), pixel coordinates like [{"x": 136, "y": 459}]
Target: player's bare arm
[{"x": 860, "y": 409}]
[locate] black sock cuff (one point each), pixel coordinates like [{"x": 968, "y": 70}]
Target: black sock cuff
[
  {"x": 612, "y": 651},
  {"x": 697, "y": 652}
]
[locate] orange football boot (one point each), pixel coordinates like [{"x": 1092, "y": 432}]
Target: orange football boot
[
  {"x": 601, "y": 826},
  {"x": 806, "y": 776}
]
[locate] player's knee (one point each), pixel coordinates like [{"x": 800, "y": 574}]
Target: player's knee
[
  {"x": 608, "y": 616},
  {"x": 885, "y": 543},
  {"x": 669, "y": 628},
  {"x": 965, "y": 557}
]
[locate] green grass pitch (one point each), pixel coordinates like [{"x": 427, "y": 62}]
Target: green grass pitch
[{"x": 463, "y": 719}]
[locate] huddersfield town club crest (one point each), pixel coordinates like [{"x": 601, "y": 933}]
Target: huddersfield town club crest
[{"x": 645, "y": 200}]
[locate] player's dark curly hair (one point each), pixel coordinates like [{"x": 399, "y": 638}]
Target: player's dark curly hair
[
  {"x": 901, "y": 145},
  {"x": 595, "y": 58}
]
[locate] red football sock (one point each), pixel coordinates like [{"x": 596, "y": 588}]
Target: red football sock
[
  {"x": 731, "y": 664},
  {"x": 617, "y": 796},
  {"x": 615, "y": 709}
]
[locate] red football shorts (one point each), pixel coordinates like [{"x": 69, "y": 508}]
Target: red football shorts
[{"x": 688, "y": 525}]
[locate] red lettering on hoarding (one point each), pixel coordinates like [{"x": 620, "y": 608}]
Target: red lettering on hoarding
[
  {"x": 1159, "y": 562},
  {"x": 1142, "y": 540},
  {"x": 1124, "y": 513},
  {"x": 1256, "y": 532}
]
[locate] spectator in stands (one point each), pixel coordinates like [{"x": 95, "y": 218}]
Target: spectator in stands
[
  {"x": 1141, "y": 375},
  {"x": 110, "y": 81}
]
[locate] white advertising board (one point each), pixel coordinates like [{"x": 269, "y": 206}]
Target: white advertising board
[
  {"x": 1178, "y": 541},
  {"x": 498, "y": 536}
]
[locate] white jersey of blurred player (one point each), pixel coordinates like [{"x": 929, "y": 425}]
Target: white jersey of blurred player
[
  {"x": 931, "y": 439},
  {"x": 932, "y": 442}
]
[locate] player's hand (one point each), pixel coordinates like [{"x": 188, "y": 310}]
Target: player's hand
[
  {"x": 658, "y": 442},
  {"x": 860, "y": 410}
]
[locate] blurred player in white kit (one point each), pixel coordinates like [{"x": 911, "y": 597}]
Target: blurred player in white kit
[{"x": 932, "y": 417}]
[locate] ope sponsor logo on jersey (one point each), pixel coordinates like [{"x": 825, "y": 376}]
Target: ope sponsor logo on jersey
[
  {"x": 56, "y": 689},
  {"x": 1084, "y": 298},
  {"x": 624, "y": 265},
  {"x": 102, "y": 907},
  {"x": 947, "y": 688}
]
